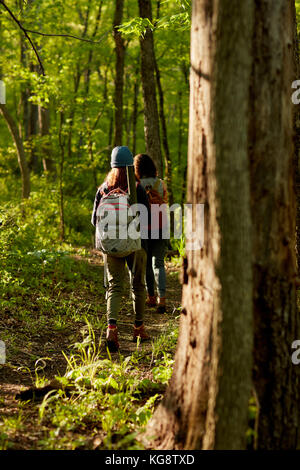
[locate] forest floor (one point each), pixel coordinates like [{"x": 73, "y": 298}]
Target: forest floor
[{"x": 43, "y": 326}]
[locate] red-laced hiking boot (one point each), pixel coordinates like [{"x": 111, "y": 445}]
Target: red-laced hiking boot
[
  {"x": 139, "y": 332},
  {"x": 112, "y": 339},
  {"x": 161, "y": 306},
  {"x": 151, "y": 301}
]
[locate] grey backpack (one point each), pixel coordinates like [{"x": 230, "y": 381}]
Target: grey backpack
[{"x": 116, "y": 226}]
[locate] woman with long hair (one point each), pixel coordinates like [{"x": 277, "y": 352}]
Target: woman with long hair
[
  {"x": 146, "y": 174},
  {"x": 136, "y": 262}
]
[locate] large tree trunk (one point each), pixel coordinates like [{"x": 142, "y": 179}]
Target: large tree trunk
[
  {"x": 297, "y": 141},
  {"x": 119, "y": 78},
  {"x": 151, "y": 119},
  {"x": 25, "y": 174},
  {"x": 205, "y": 405},
  {"x": 276, "y": 321}
]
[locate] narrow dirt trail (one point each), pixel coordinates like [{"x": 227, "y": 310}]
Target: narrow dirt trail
[{"x": 43, "y": 347}]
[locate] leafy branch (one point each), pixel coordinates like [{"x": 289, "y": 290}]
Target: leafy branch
[
  {"x": 26, "y": 35},
  {"x": 138, "y": 26},
  {"x": 26, "y": 31}
]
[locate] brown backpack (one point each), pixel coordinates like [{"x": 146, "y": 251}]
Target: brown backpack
[{"x": 153, "y": 195}]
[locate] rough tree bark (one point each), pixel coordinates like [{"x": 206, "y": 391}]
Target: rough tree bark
[
  {"x": 271, "y": 154},
  {"x": 151, "y": 119},
  {"x": 25, "y": 174},
  {"x": 205, "y": 405},
  {"x": 119, "y": 78},
  {"x": 297, "y": 140}
]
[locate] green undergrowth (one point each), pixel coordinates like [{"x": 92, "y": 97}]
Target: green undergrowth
[
  {"x": 100, "y": 402},
  {"x": 105, "y": 402},
  {"x": 52, "y": 320},
  {"x": 44, "y": 287}
]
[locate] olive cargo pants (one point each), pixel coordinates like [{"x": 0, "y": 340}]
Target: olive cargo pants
[{"x": 116, "y": 276}]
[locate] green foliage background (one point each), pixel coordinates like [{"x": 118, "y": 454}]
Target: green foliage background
[{"x": 87, "y": 126}]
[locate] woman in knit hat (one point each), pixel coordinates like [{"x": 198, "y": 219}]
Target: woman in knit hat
[
  {"x": 146, "y": 174},
  {"x": 121, "y": 157}
]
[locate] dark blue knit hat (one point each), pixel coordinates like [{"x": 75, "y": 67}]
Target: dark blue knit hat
[{"x": 121, "y": 156}]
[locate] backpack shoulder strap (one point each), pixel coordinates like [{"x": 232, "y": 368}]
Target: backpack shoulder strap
[
  {"x": 104, "y": 189},
  {"x": 156, "y": 185},
  {"x": 117, "y": 191}
]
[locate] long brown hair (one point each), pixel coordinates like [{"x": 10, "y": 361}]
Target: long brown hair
[
  {"x": 117, "y": 178},
  {"x": 144, "y": 166}
]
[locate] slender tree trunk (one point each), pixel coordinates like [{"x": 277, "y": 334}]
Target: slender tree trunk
[
  {"x": 88, "y": 71},
  {"x": 127, "y": 120},
  {"x": 91, "y": 154},
  {"x": 135, "y": 112},
  {"x": 180, "y": 136},
  {"x": 168, "y": 161},
  {"x": 151, "y": 118},
  {"x": 110, "y": 137},
  {"x": 77, "y": 79},
  {"x": 33, "y": 126},
  {"x": 44, "y": 125},
  {"x": 77, "y": 76},
  {"x": 87, "y": 80},
  {"x": 206, "y": 404},
  {"x": 276, "y": 320},
  {"x": 181, "y": 166},
  {"x": 119, "y": 78},
  {"x": 25, "y": 174},
  {"x": 165, "y": 143},
  {"x": 183, "y": 193},
  {"x": 24, "y": 94},
  {"x": 30, "y": 110},
  {"x": 184, "y": 169},
  {"x": 61, "y": 140}
]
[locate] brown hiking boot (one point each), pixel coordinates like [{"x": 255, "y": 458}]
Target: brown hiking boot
[
  {"x": 161, "y": 307},
  {"x": 112, "y": 339},
  {"x": 151, "y": 301},
  {"x": 139, "y": 332}
]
